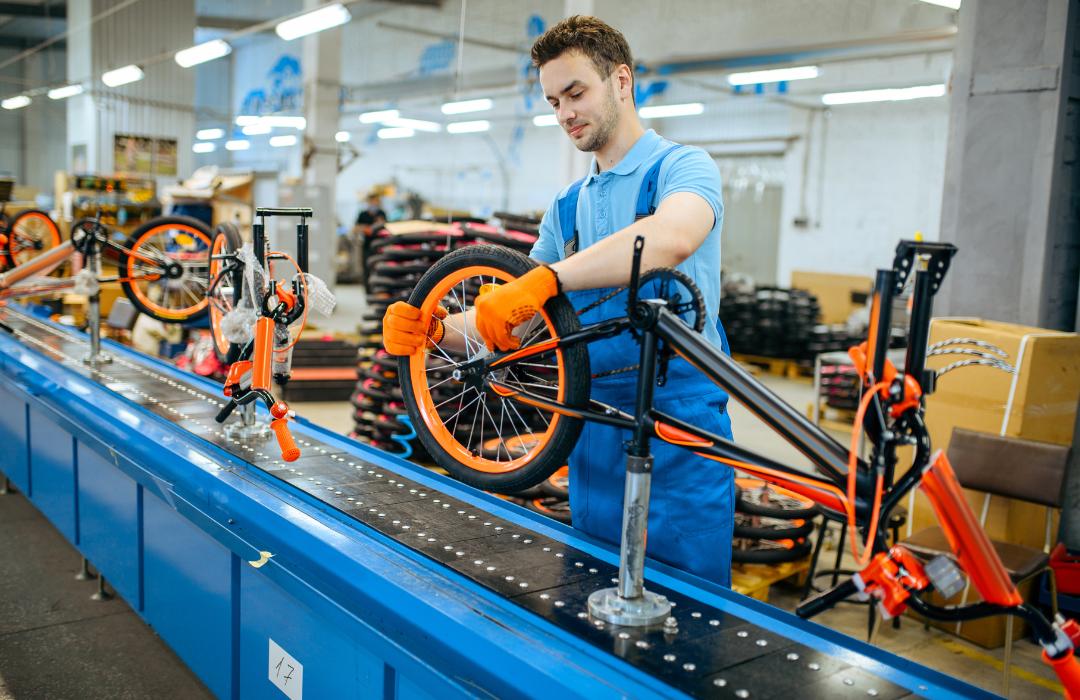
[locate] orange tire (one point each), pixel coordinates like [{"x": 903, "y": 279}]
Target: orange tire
[
  {"x": 31, "y": 233},
  {"x": 225, "y": 293},
  {"x": 455, "y": 438},
  {"x": 166, "y": 268}
]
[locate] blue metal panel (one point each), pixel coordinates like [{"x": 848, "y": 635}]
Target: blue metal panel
[
  {"x": 52, "y": 468},
  {"x": 188, "y": 593},
  {"x": 109, "y": 522},
  {"x": 327, "y": 655},
  {"x": 407, "y": 690},
  {"x": 14, "y": 458}
]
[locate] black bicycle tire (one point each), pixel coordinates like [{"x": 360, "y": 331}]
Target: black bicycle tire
[
  {"x": 552, "y": 490},
  {"x": 744, "y": 506},
  {"x": 771, "y": 556},
  {"x": 768, "y": 533},
  {"x": 564, "y": 320},
  {"x": 233, "y": 242},
  {"x": 128, "y": 287},
  {"x": 556, "y": 515}
]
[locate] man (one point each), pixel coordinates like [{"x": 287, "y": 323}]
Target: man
[
  {"x": 371, "y": 216},
  {"x": 586, "y": 71}
]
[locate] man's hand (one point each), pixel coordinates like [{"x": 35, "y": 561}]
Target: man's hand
[
  {"x": 499, "y": 311},
  {"x": 405, "y": 332}
]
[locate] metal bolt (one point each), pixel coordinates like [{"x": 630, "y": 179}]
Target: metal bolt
[
  {"x": 719, "y": 682},
  {"x": 743, "y": 633},
  {"x": 792, "y": 657}
]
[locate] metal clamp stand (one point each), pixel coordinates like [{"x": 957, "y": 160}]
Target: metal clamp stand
[
  {"x": 94, "y": 313},
  {"x": 630, "y": 604},
  {"x": 247, "y": 428}
]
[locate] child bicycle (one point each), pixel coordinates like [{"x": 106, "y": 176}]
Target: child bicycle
[{"x": 505, "y": 421}]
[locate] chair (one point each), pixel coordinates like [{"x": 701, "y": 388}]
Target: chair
[{"x": 1012, "y": 468}]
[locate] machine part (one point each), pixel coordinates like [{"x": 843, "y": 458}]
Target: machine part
[
  {"x": 84, "y": 573},
  {"x": 647, "y": 609},
  {"x": 480, "y": 412},
  {"x": 248, "y": 427},
  {"x": 165, "y": 268},
  {"x": 93, "y": 329},
  {"x": 945, "y": 575},
  {"x": 86, "y": 283},
  {"x": 101, "y": 593}
]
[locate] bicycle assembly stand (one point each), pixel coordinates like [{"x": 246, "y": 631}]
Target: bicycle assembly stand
[
  {"x": 92, "y": 264},
  {"x": 630, "y": 604},
  {"x": 247, "y": 428}
]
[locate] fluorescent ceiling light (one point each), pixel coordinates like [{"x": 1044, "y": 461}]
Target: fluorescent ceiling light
[
  {"x": 889, "y": 95},
  {"x": 376, "y": 117},
  {"x": 546, "y": 120},
  {"x": 320, "y": 19},
  {"x": 246, "y": 120},
  {"x": 237, "y": 145},
  {"x": 342, "y": 136},
  {"x": 203, "y": 147},
  {"x": 256, "y": 129},
  {"x": 202, "y": 53},
  {"x": 283, "y": 140},
  {"x": 417, "y": 124},
  {"x": 774, "y": 76},
  {"x": 468, "y": 127},
  {"x": 294, "y": 122},
  {"x": 399, "y": 132},
  {"x": 209, "y": 134},
  {"x": 66, "y": 91},
  {"x": 951, "y": 4},
  {"x": 661, "y": 111},
  {"x": 15, "y": 102},
  {"x": 122, "y": 76},
  {"x": 467, "y": 106}
]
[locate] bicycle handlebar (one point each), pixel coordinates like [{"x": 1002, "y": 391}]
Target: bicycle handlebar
[
  {"x": 304, "y": 212},
  {"x": 289, "y": 451}
]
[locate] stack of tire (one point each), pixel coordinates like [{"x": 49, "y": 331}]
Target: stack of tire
[
  {"x": 771, "y": 322},
  {"x": 394, "y": 267},
  {"x": 772, "y": 524},
  {"x": 550, "y": 497}
]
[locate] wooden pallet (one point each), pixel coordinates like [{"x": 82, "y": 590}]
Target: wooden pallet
[
  {"x": 776, "y": 365},
  {"x": 753, "y": 580}
]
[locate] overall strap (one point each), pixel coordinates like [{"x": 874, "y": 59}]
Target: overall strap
[
  {"x": 568, "y": 217},
  {"x": 650, "y": 185}
]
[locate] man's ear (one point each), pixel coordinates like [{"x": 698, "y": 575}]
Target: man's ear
[{"x": 624, "y": 81}]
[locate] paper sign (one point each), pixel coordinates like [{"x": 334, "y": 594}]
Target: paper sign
[{"x": 286, "y": 672}]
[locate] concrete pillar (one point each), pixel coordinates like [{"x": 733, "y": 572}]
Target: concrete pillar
[
  {"x": 158, "y": 106},
  {"x": 1011, "y": 194}
]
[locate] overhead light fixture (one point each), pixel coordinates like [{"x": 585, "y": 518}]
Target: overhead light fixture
[
  {"x": 398, "y": 132},
  {"x": 246, "y": 120},
  {"x": 122, "y": 76},
  {"x": 467, "y": 106},
  {"x": 283, "y": 141},
  {"x": 317, "y": 21},
  {"x": 376, "y": 117},
  {"x": 209, "y": 134},
  {"x": 888, "y": 95},
  {"x": 468, "y": 127},
  {"x": 774, "y": 76},
  {"x": 951, "y": 4},
  {"x": 66, "y": 91},
  {"x": 546, "y": 120},
  {"x": 202, "y": 53},
  {"x": 15, "y": 102},
  {"x": 417, "y": 124},
  {"x": 203, "y": 147},
  {"x": 237, "y": 145},
  {"x": 256, "y": 129},
  {"x": 286, "y": 122},
  {"x": 342, "y": 136},
  {"x": 661, "y": 111}
]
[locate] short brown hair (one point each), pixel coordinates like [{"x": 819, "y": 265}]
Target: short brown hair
[{"x": 605, "y": 46}]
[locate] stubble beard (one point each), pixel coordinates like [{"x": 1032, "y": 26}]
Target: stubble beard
[{"x": 605, "y": 127}]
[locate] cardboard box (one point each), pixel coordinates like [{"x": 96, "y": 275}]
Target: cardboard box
[
  {"x": 833, "y": 292},
  {"x": 1038, "y": 403}
]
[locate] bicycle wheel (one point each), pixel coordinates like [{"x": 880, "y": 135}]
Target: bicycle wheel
[
  {"x": 227, "y": 292},
  {"x": 32, "y": 233},
  {"x": 761, "y": 498},
  {"x": 769, "y": 551},
  {"x": 554, "y": 508},
  {"x": 455, "y": 439},
  {"x": 165, "y": 266},
  {"x": 756, "y": 527}
]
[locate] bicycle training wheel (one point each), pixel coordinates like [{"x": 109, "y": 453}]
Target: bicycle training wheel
[
  {"x": 31, "y": 233},
  {"x": 225, "y": 293},
  {"x": 165, "y": 268},
  {"x": 456, "y": 419}
]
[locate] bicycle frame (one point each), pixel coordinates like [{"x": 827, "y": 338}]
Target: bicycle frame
[{"x": 895, "y": 419}]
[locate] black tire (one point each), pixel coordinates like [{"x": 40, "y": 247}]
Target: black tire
[
  {"x": 229, "y": 291},
  {"x": 748, "y": 502},
  {"x": 178, "y": 300},
  {"x": 554, "y": 508},
  {"x": 560, "y": 434},
  {"x": 782, "y": 530},
  {"x": 771, "y": 556},
  {"x": 556, "y": 487}
]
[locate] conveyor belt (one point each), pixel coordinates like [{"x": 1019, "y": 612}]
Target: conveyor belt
[{"x": 707, "y": 653}]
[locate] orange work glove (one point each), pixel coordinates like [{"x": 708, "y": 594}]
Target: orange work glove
[
  {"x": 405, "y": 332},
  {"x": 499, "y": 311}
]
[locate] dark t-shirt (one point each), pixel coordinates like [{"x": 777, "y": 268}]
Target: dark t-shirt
[{"x": 366, "y": 218}]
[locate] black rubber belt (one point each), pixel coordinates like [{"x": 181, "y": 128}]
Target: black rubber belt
[{"x": 712, "y": 654}]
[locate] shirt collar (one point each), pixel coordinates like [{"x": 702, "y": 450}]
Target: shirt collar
[{"x": 633, "y": 158}]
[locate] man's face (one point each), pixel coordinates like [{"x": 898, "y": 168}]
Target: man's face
[
  {"x": 373, "y": 203},
  {"x": 585, "y": 102}
]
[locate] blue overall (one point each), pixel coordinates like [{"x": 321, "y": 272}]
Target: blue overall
[{"x": 692, "y": 499}]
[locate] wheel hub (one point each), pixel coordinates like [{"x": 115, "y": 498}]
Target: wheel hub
[{"x": 174, "y": 271}]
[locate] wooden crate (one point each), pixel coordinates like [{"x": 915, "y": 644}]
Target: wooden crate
[
  {"x": 776, "y": 365},
  {"x": 753, "y": 580}
]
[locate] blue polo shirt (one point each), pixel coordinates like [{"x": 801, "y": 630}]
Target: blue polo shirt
[{"x": 608, "y": 201}]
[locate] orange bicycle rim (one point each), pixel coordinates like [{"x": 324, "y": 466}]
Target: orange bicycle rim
[{"x": 134, "y": 256}]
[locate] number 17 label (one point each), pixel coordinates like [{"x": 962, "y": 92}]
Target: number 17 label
[{"x": 286, "y": 672}]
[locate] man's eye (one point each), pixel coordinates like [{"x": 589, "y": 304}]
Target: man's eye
[{"x": 577, "y": 95}]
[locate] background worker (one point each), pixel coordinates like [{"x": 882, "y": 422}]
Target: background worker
[{"x": 586, "y": 72}]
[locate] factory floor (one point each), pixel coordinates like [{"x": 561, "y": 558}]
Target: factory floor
[{"x": 58, "y": 644}]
